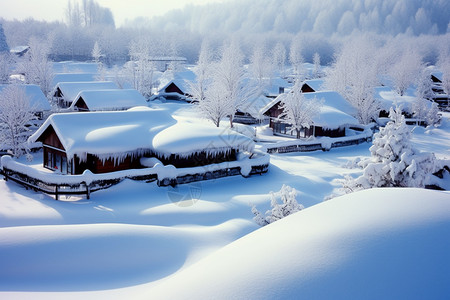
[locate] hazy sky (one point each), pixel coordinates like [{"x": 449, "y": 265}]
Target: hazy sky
[{"x": 53, "y": 10}]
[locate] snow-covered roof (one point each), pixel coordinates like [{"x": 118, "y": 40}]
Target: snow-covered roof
[
  {"x": 119, "y": 99},
  {"x": 37, "y": 98},
  {"x": 273, "y": 88},
  {"x": 179, "y": 78},
  {"x": 70, "y": 90},
  {"x": 334, "y": 112},
  {"x": 389, "y": 98},
  {"x": 254, "y": 106},
  {"x": 72, "y": 77},
  {"x": 138, "y": 130},
  {"x": 315, "y": 84}
]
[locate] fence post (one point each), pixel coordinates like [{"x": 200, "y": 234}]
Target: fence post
[
  {"x": 56, "y": 192},
  {"x": 88, "y": 192}
]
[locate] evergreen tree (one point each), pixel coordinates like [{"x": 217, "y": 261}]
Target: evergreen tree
[{"x": 393, "y": 162}]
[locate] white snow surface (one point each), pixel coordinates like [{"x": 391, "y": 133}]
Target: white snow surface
[
  {"x": 37, "y": 98},
  {"x": 137, "y": 240},
  {"x": 119, "y": 99},
  {"x": 374, "y": 244}
]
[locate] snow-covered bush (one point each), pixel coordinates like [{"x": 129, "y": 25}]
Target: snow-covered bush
[
  {"x": 288, "y": 206},
  {"x": 393, "y": 162}
]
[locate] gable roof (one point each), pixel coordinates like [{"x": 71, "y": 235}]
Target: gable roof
[
  {"x": 70, "y": 90},
  {"x": 120, "y": 133},
  {"x": 315, "y": 84},
  {"x": 37, "y": 98},
  {"x": 110, "y": 99},
  {"x": 179, "y": 78},
  {"x": 334, "y": 112}
]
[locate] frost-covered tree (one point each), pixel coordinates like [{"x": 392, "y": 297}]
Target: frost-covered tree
[
  {"x": 97, "y": 56},
  {"x": 288, "y": 206},
  {"x": 296, "y": 57},
  {"x": 261, "y": 65},
  {"x": 297, "y": 110},
  {"x": 406, "y": 70},
  {"x": 316, "y": 62},
  {"x": 423, "y": 107},
  {"x": 3, "y": 44},
  {"x": 15, "y": 113},
  {"x": 279, "y": 58},
  {"x": 230, "y": 77},
  {"x": 354, "y": 76},
  {"x": 215, "y": 107},
  {"x": 89, "y": 14},
  {"x": 197, "y": 88},
  {"x": 6, "y": 64},
  {"x": 393, "y": 162},
  {"x": 37, "y": 66},
  {"x": 444, "y": 66},
  {"x": 140, "y": 68}
]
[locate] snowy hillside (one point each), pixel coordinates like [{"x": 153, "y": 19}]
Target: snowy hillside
[{"x": 375, "y": 244}]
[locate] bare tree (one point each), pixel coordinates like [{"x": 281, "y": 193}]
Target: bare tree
[
  {"x": 214, "y": 106},
  {"x": 140, "y": 68},
  {"x": 316, "y": 62},
  {"x": 197, "y": 88},
  {"x": 97, "y": 55},
  {"x": 296, "y": 57},
  {"x": 15, "y": 113},
  {"x": 6, "y": 64},
  {"x": 299, "y": 111},
  {"x": 406, "y": 70},
  {"x": 279, "y": 58},
  {"x": 36, "y": 66},
  {"x": 231, "y": 79},
  {"x": 261, "y": 65},
  {"x": 354, "y": 76}
]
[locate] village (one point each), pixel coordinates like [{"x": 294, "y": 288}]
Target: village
[
  {"x": 106, "y": 127},
  {"x": 164, "y": 163}
]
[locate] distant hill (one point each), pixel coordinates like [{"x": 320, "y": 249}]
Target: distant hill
[{"x": 326, "y": 16}]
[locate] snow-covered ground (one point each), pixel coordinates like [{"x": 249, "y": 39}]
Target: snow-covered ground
[{"x": 137, "y": 240}]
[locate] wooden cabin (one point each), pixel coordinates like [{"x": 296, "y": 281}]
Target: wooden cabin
[
  {"x": 105, "y": 142},
  {"x": 334, "y": 117}
]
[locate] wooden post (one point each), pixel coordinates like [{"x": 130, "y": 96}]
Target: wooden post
[
  {"x": 88, "y": 191},
  {"x": 56, "y": 192}
]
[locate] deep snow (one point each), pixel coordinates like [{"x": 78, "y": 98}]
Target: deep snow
[{"x": 138, "y": 240}]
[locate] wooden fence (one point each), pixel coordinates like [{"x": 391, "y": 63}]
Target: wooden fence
[{"x": 82, "y": 187}]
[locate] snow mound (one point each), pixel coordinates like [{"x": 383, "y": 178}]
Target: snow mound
[{"x": 373, "y": 244}]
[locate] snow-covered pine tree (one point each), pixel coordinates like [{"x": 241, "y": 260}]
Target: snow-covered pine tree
[
  {"x": 3, "y": 44},
  {"x": 393, "y": 162},
  {"x": 288, "y": 206},
  {"x": 97, "y": 55},
  {"x": 297, "y": 110}
]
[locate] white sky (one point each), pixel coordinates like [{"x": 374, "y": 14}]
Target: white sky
[{"x": 53, "y": 10}]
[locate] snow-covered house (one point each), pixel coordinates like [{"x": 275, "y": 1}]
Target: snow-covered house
[
  {"x": 334, "y": 117},
  {"x": 104, "y": 100},
  {"x": 174, "y": 85},
  {"x": 111, "y": 141},
  {"x": 163, "y": 63},
  {"x": 38, "y": 102},
  {"x": 19, "y": 50},
  {"x": 65, "y": 93},
  {"x": 312, "y": 85}
]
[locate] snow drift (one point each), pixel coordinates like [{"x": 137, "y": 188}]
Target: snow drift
[{"x": 374, "y": 244}]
